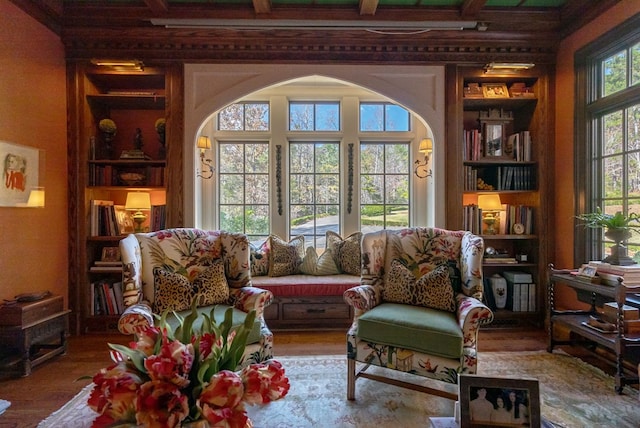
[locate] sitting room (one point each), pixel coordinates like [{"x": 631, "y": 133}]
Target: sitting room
[{"x": 380, "y": 214}]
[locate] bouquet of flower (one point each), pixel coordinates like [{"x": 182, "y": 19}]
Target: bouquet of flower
[{"x": 166, "y": 378}]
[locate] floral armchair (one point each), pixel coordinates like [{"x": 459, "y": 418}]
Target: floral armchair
[
  {"x": 418, "y": 307},
  {"x": 168, "y": 269}
]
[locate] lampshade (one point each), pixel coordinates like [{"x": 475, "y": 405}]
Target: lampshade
[
  {"x": 426, "y": 145},
  {"x": 489, "y": 202},
  {"x": 36, "y": 197},
  {"x": 138, "y": 201},
  {"x": 204, "y": 142}
]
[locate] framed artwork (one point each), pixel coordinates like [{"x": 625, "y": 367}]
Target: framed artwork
[
  {"x": 125, "y": 222},
  {"x": 110, "y": 254},
  {"x": 495, "y": 90},
  {"x": 498, "y": 401},
  {"x": 20, "y": 169},
  {"x": 493, "y": 134}
]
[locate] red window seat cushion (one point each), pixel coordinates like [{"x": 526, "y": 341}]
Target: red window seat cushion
[{"x": 306, "y": 285}]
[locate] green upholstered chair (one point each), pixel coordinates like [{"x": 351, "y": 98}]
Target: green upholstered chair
[{"x": 418, "y": 308}]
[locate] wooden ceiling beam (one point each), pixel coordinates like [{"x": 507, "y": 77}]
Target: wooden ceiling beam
[
  {"x": 157, "y": 6},
  {"x": 368, "y": 7},
  {"x": 262, "y": 6},
  {"x": 471, "y": 8}
]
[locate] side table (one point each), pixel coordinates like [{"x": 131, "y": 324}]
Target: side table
[{"x": 39, "y": 334}]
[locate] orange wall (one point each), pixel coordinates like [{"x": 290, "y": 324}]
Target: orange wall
[{"x": 34, "y": 242}]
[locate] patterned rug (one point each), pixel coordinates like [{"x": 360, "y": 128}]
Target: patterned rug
[{"x": 573, "y": 394}]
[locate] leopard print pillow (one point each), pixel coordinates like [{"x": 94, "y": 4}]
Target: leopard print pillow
[
  {"x": 346, "y": 252},
  {"x": 173, "y": 291},
  {"x": 285, "y": 257},
  {"x": 432, "y": 290},
  {"x": 211, "y": 285}
]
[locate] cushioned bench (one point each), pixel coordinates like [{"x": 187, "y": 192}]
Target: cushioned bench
[{"x": 307, "y": 301}]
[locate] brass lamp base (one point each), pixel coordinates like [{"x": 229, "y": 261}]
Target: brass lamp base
[{"x": 138, "y": 218}]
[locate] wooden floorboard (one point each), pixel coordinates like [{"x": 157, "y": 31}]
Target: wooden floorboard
[{"x": 55, "y": 382}]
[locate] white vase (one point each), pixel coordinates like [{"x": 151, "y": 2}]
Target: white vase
[{"x": 499, "y": 288}]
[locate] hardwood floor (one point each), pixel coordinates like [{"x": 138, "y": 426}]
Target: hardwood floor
[{"x": 52, "y": 384}]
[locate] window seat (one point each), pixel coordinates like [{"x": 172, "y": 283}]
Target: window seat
[{"x": 305, "y": 302}]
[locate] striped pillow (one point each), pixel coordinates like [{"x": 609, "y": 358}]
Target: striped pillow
[{"x": 314, "y": 265}]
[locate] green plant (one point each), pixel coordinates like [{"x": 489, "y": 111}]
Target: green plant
[{"x": 598, "y": 219}]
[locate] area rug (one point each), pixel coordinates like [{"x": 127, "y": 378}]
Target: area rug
[{"x": 573, "y": 394}]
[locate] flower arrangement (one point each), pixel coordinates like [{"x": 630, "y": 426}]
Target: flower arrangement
[
  {"x": 108, "y": 126},
  {"x": 166, "y": 379}
]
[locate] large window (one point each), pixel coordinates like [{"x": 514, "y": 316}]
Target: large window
[
  {"x": 608, "y": 107},
  {"x": 292, "y": 168}
]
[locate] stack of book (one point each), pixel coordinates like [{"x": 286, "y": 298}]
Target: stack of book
[
  {"x": 521, "y": 291},
  {"x": 106, "y": 298},
  {"x": 609, "y": 273}
]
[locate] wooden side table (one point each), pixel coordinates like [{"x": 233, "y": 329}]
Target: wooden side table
[{"x": 39, "y": 334}]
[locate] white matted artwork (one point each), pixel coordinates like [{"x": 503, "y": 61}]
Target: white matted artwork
[{"x": 20, "y": 170}]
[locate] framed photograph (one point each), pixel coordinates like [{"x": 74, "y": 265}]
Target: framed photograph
[
  {"x": 493, "y": 134},
  {"x": 498, "y": 401},
  {"x": 110, "y": 254},
  {"x": 495, "y": 90},
  {"x": 125, "y": 222},
  {"x": 20, "y": 169}
]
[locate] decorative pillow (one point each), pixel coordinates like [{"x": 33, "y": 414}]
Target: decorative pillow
[
  {"x": 346, "y": 252},
  {"x": 322, "y": 265},
  {"x": 432, "y": 290},
  {"x": 285, "y": 257},
  {"x": 211, "y": 285},
  {"x": 172, "y": 291},
  {"x": 260, "y": 259}
]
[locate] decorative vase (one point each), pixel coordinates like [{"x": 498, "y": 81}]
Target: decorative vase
[
  {"x": 499, "y": 288},
  {"x": 618, "y": 254},
  {"x": 107, "y": 138}
]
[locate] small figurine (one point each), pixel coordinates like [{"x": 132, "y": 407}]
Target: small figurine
[{"x": 137, "y": 140}]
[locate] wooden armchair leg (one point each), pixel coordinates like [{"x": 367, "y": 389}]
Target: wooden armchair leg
[{"x": 351, "y": 379}]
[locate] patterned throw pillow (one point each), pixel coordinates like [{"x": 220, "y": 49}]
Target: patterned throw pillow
[
  {"x": 260, "y": 259},
  {"x": 285, "y": 257},
  {"x": 432, "y": 290},
  {"x": 322, "y": 265},
  {"x": 212, "y": 285},
  {"x": 346, "y": 252},
  {"x": 172, "y": 291}
]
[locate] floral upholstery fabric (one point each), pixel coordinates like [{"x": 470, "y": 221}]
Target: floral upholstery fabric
[
  {"x": 421, "y": 253},
  {"x": 192, "y": 253},
  {"x": 260, "y": 259}
]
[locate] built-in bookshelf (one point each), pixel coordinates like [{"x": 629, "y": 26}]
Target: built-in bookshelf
[
  {"x": 121, "y": 138},
  {"x": 498, "y": 135}
]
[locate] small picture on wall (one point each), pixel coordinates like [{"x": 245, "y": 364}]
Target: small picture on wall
[{"x": 19, "y": 173}]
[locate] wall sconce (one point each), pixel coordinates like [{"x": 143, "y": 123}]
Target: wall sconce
[
  {"x": 204, "y": 143},
  {"x": 138, "y": 201},
  {"x": 507, "y": 67},
  {"x": 491, "y": 207},
  {"x": 36, "y": 198},
  {"x": 421, "y": 170}
]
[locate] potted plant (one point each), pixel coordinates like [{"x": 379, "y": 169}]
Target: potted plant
[{"x": 618, "y": 227}]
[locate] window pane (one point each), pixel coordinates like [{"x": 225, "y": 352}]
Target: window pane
[
  {"x": 635, "y": 64},
  {"x": 613, "y": 177},
  {"x": 384, "y": 185},
  {"x": 257, "y": 117},
  {"x": 633, "y": 144},
  {"x": 300, "y": 116},
  {"x": 397, "y": 118},
  {"x": 231, "y": 118},
  {"x": 314, "y": 190},
  {"x": 327, "y": 117},
  {"x": 243, "y": 187},
  {"x": 371, "y": 117},
  {"x": 613, "y": 133},
  {"x": 614, "y": 70}
]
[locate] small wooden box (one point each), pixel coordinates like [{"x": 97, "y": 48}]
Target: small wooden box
[
  {"x": 632, "y": 327},
  {"x": 611, "y": 312},
  {"x": 27, "y": 313}
]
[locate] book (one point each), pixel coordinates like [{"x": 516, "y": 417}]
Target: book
[
  {"x": 106, "y": 269},
  {"x": 107, "y": 263}
]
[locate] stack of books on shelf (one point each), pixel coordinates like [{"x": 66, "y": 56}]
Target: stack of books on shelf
[
  {"x": 106, "y": 298},
  {"x": 521, "y": 143},
  {"x": 472, "y": 145},
  {"x": 106, "y": 267},
  {"x": 515, "y": 178},
  {"x": 108, "y": 219},
  {"x": 514, "y": 214},
  {"x": 609, "y": 273},
  {"x": 472, "y": 219},
  {"x": 158, "y": 217},
  {"x": 521, "y": 291}
]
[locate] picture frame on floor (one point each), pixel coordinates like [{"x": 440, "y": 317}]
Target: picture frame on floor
[{"x": 498, "y": 401}]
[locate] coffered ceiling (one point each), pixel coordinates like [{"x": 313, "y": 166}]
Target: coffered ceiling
[{"x": 322, "y": 29}]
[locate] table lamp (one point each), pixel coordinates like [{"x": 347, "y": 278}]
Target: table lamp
[
  {"x": 491, "y": 207},
  {"x": 138, "y": 201},
  {"x": 36, "y": 197}
]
